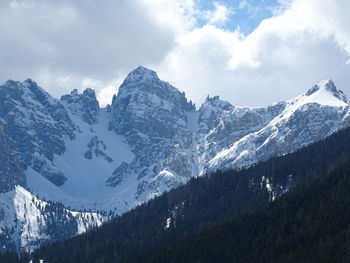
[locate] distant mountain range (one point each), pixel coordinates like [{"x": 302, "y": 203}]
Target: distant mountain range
[{"x": 71, "y": 159}]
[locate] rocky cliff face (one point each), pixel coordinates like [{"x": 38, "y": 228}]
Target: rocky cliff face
[
  {"x": 11, "y": 173},
  {"x": 149, "y": 140},
  {"x": 153, "y": 117},
  {"x": 37, "y": 125}
]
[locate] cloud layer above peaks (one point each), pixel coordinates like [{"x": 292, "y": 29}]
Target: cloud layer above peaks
[{"x": 88, "y": 43}]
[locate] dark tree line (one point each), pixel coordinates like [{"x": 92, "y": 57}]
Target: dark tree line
[
  {"x": 200, "y": 204},
  {"x": 309, "y": 224}
]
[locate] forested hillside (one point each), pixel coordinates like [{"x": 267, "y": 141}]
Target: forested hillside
[
  {"x": 310, "y": 224},
  {"x": 203, "y": 202}
]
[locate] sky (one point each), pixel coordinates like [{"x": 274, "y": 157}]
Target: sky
[{"x": 249, "y": 52}]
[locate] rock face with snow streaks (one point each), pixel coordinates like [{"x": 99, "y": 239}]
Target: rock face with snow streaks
[
  {"x": 37, "y": 125},
  {"x": 11, "y": 173},
  {"x": 152, "y": 115}
]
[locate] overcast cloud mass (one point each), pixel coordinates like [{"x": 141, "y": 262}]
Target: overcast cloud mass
[{"x": 245, "y": 52}]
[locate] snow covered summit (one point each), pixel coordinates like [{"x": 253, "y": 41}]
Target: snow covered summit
[
  {"x": 319, "y": 112},
  {"x": 326, "y": 93},
  {"x": 142, "y": 74}
]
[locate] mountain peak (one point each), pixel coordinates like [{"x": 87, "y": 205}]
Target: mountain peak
[
  {"x": 18, "y": 84},
  {"x": 89, "y": 92},
  {"x": 328, "y": 85},
  {"x": 84, "y": 104},
  {"x": 75, "y": 94},
  {"x": 146, "y": 81},
  {"x": 325, "y": 91},
  {"x": 142, "y": 70},
  {"x": 217, "y": 102},
  {"x": 142, "y": 74},
  {"x": 30, "y": 82}
]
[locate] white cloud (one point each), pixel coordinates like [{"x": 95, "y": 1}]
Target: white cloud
[
  {"x": 48, "y": 40},
  {"x": 62, "y": 43},
  {"x": 219, "y": 15},
  {"x": 281, "y": 58},
  {"x": 106, "y": 93}
]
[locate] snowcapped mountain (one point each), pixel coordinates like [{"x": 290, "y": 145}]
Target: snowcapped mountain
[
  {"x": 149, "y": 140},
  {"x": 305, "y": 119}
]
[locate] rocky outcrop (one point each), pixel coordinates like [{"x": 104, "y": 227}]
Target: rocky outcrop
[{"x": 84, "y": 105}]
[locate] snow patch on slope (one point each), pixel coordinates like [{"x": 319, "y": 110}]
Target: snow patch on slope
[{"x": 85, "y": 187}]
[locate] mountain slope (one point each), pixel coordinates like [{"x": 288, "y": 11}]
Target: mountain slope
[
  {"x": 27, "y": 222},
  {"x": 202, "y": 202}
]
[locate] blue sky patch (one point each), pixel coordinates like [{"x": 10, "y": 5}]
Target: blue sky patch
[{"x": 244, "y": 14}]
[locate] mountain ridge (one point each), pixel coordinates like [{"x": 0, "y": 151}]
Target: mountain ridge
[{"x": 150, "y": 139}]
